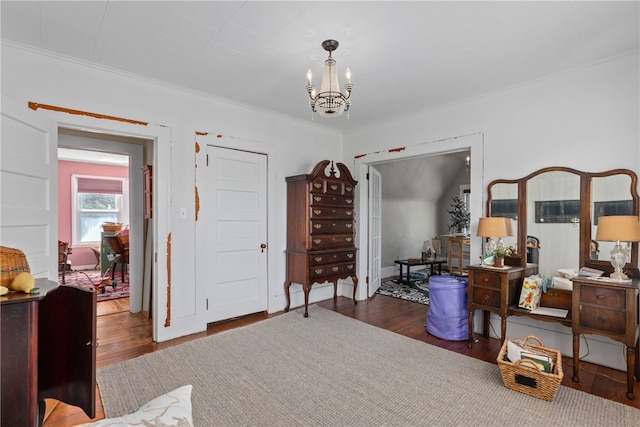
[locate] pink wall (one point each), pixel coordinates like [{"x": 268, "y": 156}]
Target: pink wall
[{"x": 80, "y": 255}]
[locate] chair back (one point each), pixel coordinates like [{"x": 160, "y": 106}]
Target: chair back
[
  {"x": 63, "y": 251},
  {"x": 115, "y": 244}
]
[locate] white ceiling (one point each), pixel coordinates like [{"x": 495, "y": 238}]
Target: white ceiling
[{"x": 405, "y": 56}]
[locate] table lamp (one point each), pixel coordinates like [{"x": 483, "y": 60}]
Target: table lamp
[
  {"x": 427, "y": 250},
  {"x": 508, "y": 222},
  {"x": 492, "y": 227},
  {"x": 618, "y": 228}
]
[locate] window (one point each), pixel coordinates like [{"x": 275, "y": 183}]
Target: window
[
  {"x": 614, "y": 207},
  {"x": 96, "y": 200},
  {"x": 507, "y": 208},
  {"x": 557, "y": 211}
]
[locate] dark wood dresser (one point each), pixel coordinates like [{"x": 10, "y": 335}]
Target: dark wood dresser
[
  {"x": 48, "y": 350},
  {"x": 320, "y": 229},
  {"x": 611, "y": 309}
]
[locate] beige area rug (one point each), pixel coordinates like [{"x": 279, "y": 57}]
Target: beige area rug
[{"x": 331, "y": 370}]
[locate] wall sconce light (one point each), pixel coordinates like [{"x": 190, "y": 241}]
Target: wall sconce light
[{"x": 467, "y": 164}]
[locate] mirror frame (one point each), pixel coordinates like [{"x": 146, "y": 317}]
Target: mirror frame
[{"x": 585, "y": 212}]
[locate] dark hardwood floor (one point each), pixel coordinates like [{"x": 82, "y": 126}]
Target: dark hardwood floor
[{"x": 123, "y": 336}]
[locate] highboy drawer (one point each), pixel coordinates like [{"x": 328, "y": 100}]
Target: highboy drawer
[
  {"x": 334, "y": 187},
  {"x": 328, "y": 200},
  {"x": 319, "y": 212},
  {"x": 332, "y": 258},
  {"x": 331, "y": 241},
  {"x": 599, "y": 295},
  {"x": 331, "y": 226},
  {"x": 318, "y": 186},
  {"x": 327, "y": 270}
]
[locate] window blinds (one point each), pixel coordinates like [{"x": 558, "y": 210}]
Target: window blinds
[{"x": 99, "y": 186}]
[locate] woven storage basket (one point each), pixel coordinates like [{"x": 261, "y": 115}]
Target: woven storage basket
[
  {"x": 524, "y": 376},
  {"x": 111, "y": 226},
  {"x": 12, "y": 262}
]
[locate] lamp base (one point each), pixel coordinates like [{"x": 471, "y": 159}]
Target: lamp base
[{"x": 618, "y": 275}]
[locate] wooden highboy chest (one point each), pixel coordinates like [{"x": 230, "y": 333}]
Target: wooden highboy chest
[{"x": 320, "y": 229}]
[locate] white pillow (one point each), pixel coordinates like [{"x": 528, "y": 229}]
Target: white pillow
[{"x": 170, "y": 409}]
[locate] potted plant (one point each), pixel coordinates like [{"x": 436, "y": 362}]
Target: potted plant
[
  {"x": 499, "y": 254},
  {"x": 459, "y": 215}
]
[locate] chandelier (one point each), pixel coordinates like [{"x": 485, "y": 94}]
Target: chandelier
[{"x": 330, "y": 102}]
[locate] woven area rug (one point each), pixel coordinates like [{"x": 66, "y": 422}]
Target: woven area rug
[
  {"x": 417, "y": 292},
  {"x": 331, "y": 370},
  {"x": 89, "y": 278}
]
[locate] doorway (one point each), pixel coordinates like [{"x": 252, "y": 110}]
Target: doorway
[
  {"x": 42, "y": 147},
  {"x": 93, "y": 189},
  {"x": 123, "y": 158},
  {"x": 472, "y": 144}
]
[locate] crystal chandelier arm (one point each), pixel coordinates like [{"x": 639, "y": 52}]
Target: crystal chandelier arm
[{"x": 312, "y": 92}]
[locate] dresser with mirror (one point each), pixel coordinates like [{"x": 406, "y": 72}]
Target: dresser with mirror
[{"x": 556, "y": 211}]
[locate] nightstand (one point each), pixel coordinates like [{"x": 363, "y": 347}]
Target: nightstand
[
  {"x": 493, "y": 290},
  {"x": 607, "y": 308}
]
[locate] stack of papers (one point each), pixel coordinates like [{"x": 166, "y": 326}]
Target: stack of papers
[
  {"x": 515, "y": 352},
  {"x": 548, "y": 311}
]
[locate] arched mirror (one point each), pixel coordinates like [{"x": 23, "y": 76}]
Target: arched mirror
[
  {"x": 553, "y": 221},
  {"x": 557, "y": 209},
  {"x": 611, "y": 193},
  {"x": 503, "y": 201}
]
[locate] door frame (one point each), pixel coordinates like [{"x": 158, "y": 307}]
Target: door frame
[
  {"x": 472, "y": 142},
  {"x": 161, "y": 135}
]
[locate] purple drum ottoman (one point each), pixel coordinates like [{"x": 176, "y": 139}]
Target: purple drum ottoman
[{"x": 447, "y": 316}]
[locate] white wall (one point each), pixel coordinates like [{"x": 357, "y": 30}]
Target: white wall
[
  {"x": 406, "y": 224},
  {"x": 298, "y": 145},
  {"x": 587, "y": 119}
]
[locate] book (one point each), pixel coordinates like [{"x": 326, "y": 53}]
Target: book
[
  {"x": 590, "y": 272},
  {"x": 545, "y": 361}
]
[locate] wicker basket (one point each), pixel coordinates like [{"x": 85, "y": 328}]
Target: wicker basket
[
  {"x": 111, "y": 226},
  {"x": 524, "y": 376},
  {"x": 12, "y": 262}
]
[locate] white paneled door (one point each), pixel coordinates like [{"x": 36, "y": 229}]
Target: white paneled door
[
  {"x": 29, "y": 187},
  {"x": 375, "y": 229},
  {"x": 235, "y": 206}
]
